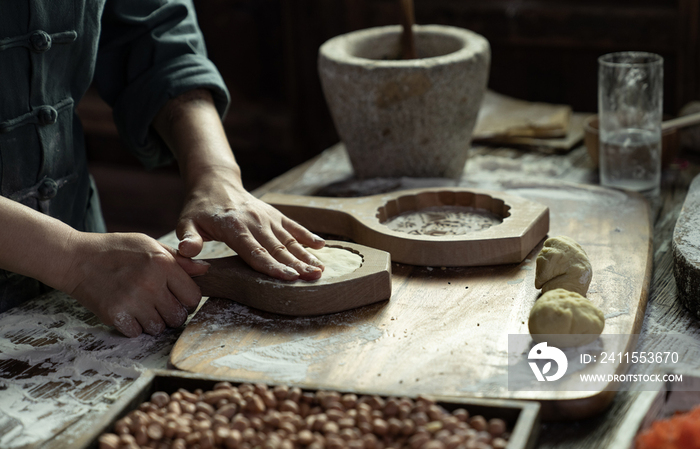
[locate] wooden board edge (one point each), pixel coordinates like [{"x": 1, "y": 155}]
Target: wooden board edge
[
  {"x": 131, "y": 398},
  {"x": 576, "y": 409},
  {"x": 639, "y": 411}
]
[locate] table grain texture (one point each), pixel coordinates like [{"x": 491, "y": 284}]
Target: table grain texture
[{"x": 60, "y": 369}]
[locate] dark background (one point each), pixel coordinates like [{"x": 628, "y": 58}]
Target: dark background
[{"x": 542, "y": 50}]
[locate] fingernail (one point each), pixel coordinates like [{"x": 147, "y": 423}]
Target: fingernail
[
  {"x": 317, "y": 238},
  {"x": 310, "y": 269},
  {"x": 201, "y": 262},
  {"x": 290, "y": 271},
  {"x": 314, "y": 261}
]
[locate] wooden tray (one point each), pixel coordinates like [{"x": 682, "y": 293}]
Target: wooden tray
[
  {"x": 522, "y": 417},
  {"x": 445, "y": 331},
  {"x": 658, "y": 404}
]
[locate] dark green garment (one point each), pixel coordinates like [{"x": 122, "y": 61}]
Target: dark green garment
[{"x": 139, "y": 52}]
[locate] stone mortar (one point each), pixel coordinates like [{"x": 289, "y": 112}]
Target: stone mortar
[{"x": 405, "y": 117}]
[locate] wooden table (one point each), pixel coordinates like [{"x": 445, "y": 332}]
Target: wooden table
[{"x": 60, "y": 368}]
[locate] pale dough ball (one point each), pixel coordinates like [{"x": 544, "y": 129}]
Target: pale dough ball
[
  {"x": 573, "y": 318},
  {"x": 562, "y": 263},
  {"x": 337, "y": 261}
]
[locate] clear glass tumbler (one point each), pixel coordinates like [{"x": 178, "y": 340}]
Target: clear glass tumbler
[{"x": 630, "y": 108}]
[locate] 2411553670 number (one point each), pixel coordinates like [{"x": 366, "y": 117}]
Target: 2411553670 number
[{"x": 639, "y": 357}]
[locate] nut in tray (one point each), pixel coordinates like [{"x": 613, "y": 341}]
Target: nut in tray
[{"x": 172, "y": 409}]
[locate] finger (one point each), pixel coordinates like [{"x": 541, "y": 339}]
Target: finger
[
  {"x": 184, "y": 289},
  {"x": 172, "y": 311},
  {"x": 150, "y": 321},
  {"x": 191, "y": 241},
  {"x": 278, "y": 250},
  {"x": 297, "y": 250},
  {"x": 303, "y": 235},
  {"x": 126, "y": 324},
  {"x": 255, "y": 255},
  {"x": 302, "y": 254},
  {"x": 179, "y": 281},
  {"x": 193, "y": 267}
]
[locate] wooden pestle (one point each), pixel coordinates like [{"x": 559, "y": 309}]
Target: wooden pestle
[
  {"x": 408, "y": 43},
  {"x": 681, "y": 122}
]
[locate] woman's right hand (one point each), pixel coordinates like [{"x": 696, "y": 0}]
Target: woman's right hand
[{"x": 131, "y": 281}]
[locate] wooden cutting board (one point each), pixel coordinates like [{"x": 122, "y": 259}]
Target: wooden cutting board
[{"x": 445, "y": 330}]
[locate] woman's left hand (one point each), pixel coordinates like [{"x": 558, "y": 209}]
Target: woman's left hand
[{"x": 217, "y": 208}]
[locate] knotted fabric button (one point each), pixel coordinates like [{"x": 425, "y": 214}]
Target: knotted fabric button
[
  {"x": 47, "y": 189},
  {"x": 47, "y": 115},
  {"x": 40, "y": 40}
]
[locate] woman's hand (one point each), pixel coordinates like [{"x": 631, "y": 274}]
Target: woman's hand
[
  {"x": 217, "y": 207},
  {"x": 132, "y": 282}
]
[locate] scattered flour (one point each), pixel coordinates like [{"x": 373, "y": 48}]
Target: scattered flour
[
  {"x": 310, "y": 339},
  {"x": 58, "y": 364},
  {"x": 290, "y": 361}
]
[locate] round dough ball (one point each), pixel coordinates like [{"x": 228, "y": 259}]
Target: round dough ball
[
  {"x": 562, "y": 263},
  {"x": 567, "y": 318}
]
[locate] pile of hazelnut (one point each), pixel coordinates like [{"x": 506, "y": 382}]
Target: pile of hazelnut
[{"x": 259, "y": 417}]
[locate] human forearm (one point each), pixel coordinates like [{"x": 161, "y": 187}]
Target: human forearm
[
  {"x": 34, "y": 244},
  {"x": 190, "y": 126}
]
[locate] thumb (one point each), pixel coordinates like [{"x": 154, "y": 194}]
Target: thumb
[
  {"x": 192, "y": 267},
  {"x": 190, "y": 241}
]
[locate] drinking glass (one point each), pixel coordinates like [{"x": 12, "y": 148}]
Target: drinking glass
[{"x": 630, "y": 104}]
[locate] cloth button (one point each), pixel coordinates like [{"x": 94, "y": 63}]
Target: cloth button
[
  {"x": 40, "y": 40},
  {"x": 47, "y": 189},
  {"x": 47, "y": 115}
]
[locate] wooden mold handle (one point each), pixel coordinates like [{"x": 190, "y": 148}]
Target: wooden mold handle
[
  {"x": 225, "y": 274},
  {"x": 319, "y": 214}
]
